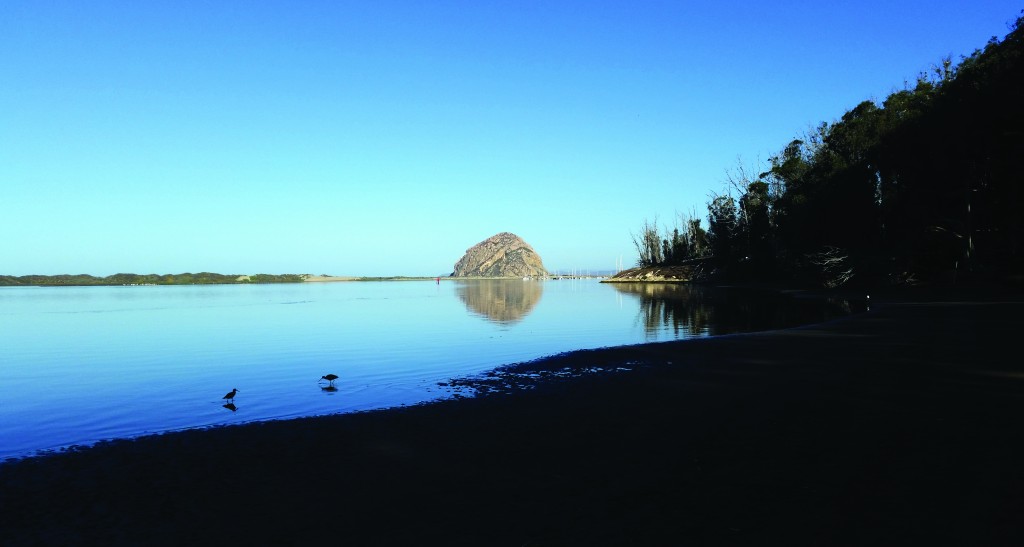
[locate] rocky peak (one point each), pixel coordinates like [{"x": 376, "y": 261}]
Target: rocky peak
[{"x": 501, "y": 255}]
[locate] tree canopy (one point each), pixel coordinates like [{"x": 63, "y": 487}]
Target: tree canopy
[{"x": 924, "y": 186}]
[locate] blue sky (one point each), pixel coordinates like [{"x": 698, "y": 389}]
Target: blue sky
[{"x": 385, "y": 138}]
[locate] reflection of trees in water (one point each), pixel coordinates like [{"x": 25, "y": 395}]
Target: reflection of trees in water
[
  {"x": 694, "y": 310},
  {"x": 675, "y": 306},
  {"x": 500, "y": 300}
]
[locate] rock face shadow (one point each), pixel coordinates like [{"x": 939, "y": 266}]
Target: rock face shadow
[{"x": 500, "y": 300}]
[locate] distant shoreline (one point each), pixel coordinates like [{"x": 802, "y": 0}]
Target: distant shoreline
[
  {"x": 340, "y": 278},
  {"x": 129, "y": 279},
  {"x": 204, "y": 278},
  {"x": 207, "y": 278}
]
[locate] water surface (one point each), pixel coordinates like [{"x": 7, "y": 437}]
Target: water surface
[{"x": 82, "y": 364}]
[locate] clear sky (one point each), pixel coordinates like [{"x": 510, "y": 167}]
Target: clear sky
[{"x": 385, "y": 138}]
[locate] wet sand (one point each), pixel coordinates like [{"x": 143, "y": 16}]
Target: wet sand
[{"x": 904, "y": 424}]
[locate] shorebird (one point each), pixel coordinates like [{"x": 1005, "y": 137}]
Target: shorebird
[
  {"x": 230, "y": 397},
  {"x": 330, "y": 378}
]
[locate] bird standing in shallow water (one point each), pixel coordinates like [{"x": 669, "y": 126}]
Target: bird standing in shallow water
[
  {"x": 231, "y": 395},
  {"x": 330, "y": 378}
]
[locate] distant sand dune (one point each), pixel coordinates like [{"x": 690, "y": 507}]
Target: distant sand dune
[{"x": 328, "y": 278}]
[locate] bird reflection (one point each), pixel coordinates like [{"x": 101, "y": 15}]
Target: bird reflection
[
  {"x": 328, "y": 389},
  {"x": 231, "y": 407}
]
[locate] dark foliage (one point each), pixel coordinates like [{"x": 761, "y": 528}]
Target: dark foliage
[{"x": 925, "y": 187}]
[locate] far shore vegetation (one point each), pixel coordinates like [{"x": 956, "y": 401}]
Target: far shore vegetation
[
  {"x": 202, "y": 278},
  {"x": 923, "y": 188}
]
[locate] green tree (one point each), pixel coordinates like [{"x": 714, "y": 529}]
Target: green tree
[{"x": 722, "y": 225}]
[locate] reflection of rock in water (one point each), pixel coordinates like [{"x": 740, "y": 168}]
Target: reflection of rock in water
[{"x": 500, "y": 300}]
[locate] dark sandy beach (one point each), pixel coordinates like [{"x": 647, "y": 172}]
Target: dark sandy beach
[{"x": 901, "y": 425}]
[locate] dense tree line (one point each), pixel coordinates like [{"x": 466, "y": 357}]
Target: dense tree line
[
  {"x": 202, "y": 278},
  {"x": 925, "y": 186}
]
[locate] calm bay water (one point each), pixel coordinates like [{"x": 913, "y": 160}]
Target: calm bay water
[{"x": 82, "y": 364}]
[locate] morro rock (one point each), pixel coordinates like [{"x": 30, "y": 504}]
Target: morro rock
[{"x": 501, "y": 255}]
